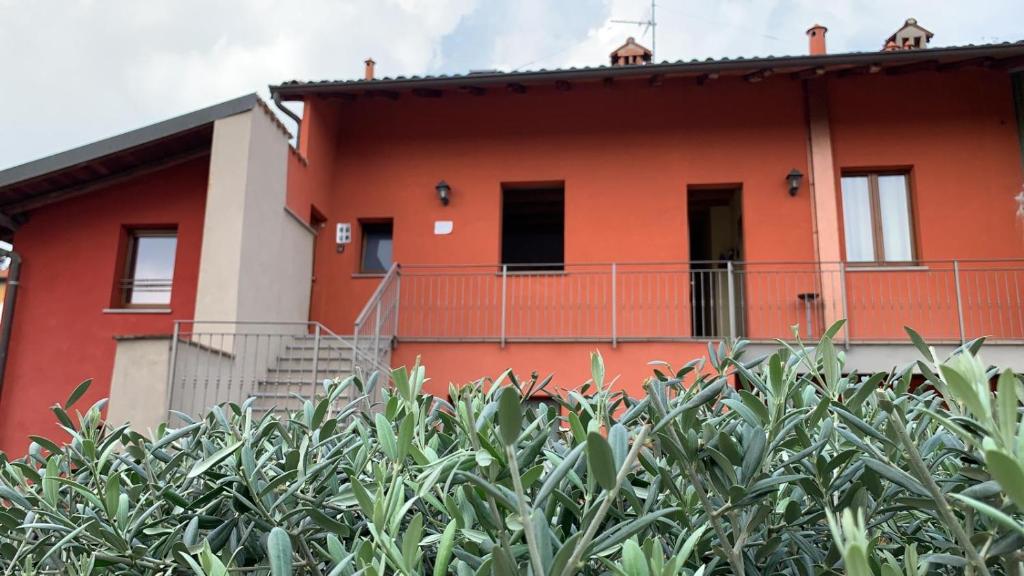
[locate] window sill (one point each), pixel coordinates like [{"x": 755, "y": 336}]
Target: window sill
[
  {"x": 369, "y": 274},
  {"x": 136, "y": 310},
  {"x": 852, "y": 267}
]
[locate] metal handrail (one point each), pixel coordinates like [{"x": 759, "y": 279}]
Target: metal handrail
[
  {"x": 392, "y": 273},
  {"x": 853, "y": 265},
  {"x": 375, "y": 306},
  {"x": 221, "y": 364}
]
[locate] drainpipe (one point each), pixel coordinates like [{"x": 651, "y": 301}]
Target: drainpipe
[
  {"x": 1017, "y": 81},
  {"x": 13, "y": 274},
  {"x": 287, "y": 112}
]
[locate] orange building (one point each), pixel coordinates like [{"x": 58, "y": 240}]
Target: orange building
[{"x": 521, "y": 220}]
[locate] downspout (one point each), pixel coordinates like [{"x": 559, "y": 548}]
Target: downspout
[
  {"x": 1017, "y": 81},
  {"x": 13, "y": 274},
  {"x": 287, "y": 112}
]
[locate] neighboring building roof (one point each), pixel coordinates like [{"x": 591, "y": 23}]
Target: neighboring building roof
[
  {"x": 910, "y": 23},
  {"x": 80, "y": 169},
  {"x": 630, "y": 53},
  {"x": 1003, "y": 55}
]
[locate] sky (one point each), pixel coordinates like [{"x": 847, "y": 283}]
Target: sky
[{"x": 75, "y": 71}]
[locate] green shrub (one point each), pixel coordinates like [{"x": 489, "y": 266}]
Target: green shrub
[{"x": 780, "y": 465}]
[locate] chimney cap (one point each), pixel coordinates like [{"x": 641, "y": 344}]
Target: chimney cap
[
  {"x": 631, "y": 53},
  {"x": 817, "y": 27},
  {"x": 911, "y": 23}
]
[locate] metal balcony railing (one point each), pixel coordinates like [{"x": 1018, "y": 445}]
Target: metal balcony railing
[
  {"x": 145, "y": 291},
  {"x": 278, "y": 363},
  {"x": 945, "y": 301}
]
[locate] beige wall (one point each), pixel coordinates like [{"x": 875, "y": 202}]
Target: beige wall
[
  {"x": 277, "y": 250},
  {"x": 138, "y": 386},
  {"x": 256, "y": 258},
  {"x": 255, "y": 266}
]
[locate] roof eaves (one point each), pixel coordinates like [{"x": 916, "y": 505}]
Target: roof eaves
[
  {"x": 127, "y": 140},
  {"x": 295, "y": 88}
]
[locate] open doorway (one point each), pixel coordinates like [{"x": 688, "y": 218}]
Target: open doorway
[{"x": 716, "y": 238}]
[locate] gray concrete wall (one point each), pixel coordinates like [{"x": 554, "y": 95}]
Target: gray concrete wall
[
  {"x": 138, "y": 386},
  {"x": 869, "y": 358}
]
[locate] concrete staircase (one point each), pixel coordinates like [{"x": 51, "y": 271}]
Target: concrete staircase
[{"x": 292, "y": 372}]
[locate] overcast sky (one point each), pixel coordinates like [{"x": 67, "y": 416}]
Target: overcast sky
[{"x": 74, "y": 71}]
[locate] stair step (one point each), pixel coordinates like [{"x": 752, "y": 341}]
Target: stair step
[
  {"x": 300, "y": 368},
  {"x": 309, "y": 348},
  {"x": 309, "y": 358},
  {"x": 272, "y": 382},
  {"x": 279, "y": 395}
]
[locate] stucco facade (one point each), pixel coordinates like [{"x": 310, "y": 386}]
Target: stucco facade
[
  {"x": 227, "y": 207},
  {"x": 695, "y": 202},
  {"x": 630, "y": 153}
]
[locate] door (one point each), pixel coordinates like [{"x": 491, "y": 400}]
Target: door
[{"x": 715, "y": 219}]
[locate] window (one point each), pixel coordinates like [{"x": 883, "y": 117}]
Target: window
[
  {"x": 876, "y": 217},
  {"x": 149, "y": 268},
  {"x": 376, "y": 256},
  {"x": 533, "y": 227}
]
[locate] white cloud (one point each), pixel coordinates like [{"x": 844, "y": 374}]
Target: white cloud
[
  {"x": 75, "y": 71},
  {"x": 72, "y": 71}
]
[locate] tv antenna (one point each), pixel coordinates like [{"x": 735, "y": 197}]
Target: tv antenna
[{"x": 649, "y": 24}]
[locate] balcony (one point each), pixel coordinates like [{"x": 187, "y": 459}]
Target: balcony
[
  {"x": 945, "y": 301},
  {"x": 281, "y": 364}
]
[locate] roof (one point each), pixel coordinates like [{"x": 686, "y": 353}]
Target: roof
[
  {"x": 1005, "y": 54},
  {"x": 86, "y": 167},
  {"x": 630, "y": 47},
  {"x": 910, "y": 23}
]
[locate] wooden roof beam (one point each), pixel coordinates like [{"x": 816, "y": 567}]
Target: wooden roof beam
[
  {"x": 427, "y": 93},
  {"x": 858, "y": 70},
  {"x": 926, "y": 66},
  {"x": 389, "y": 94},
  {"x": 516, "y": 88},
  {"x": 15, "y": 208},
  {"x": 9, "y": 223},
  {"x": 656, "y": 80},
  {"x": 1014, "y": 64},
  {"x": 759, "y": 75},
  {"x": 808, "y": 73},
  {"x": 983, "y": 62},
  {"x": 705, "y": 78},
  {"x": 474, "y": 90}
]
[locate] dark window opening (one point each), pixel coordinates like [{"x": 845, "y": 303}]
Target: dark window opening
[
  {"x": 377, "y": 244},
  {"x": 148, "y": 270},
  {"x": 533, "y": 227}
]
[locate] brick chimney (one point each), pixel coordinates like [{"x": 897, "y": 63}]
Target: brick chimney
[
  {"x": 816, "y": 40},
  {"x": 369, "y": 68}
]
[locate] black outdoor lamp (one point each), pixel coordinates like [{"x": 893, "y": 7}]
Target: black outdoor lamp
[
  {"x": 443, "y": 191},
  {"x": 794, "y": 178}
]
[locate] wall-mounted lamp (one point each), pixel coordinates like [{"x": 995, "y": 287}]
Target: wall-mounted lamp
[
  {"x": 794, "y": 178},
  {"x": 443, "y": 192}
]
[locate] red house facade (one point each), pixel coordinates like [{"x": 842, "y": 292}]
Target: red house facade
[{"x": 521, "y": 220}]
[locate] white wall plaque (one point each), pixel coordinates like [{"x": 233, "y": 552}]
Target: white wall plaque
[{"x": 442, "y": 227}]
